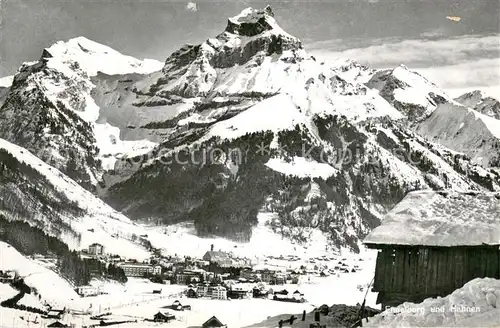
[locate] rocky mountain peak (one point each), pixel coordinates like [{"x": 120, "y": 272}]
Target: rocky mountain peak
[
  {"x": 93, "y": 57},
  {"x": 481, "y": 102},
  {"x": 248, "y": 39},
  {"x": 410, "y": 92},
  {"x": 251, "y": 22}
]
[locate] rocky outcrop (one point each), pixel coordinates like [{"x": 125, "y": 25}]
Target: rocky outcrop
[
  {"x": 50, "y": 127},
  {"x": 408, "y": 91},
  {"x": 481, "y": 103}
]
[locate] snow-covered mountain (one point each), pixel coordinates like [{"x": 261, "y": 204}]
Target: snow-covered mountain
[
  {"x": 50, "y": 111},
  {"x": 481, "y": 102},
  {"x": 257, "y": 124},
  {"x": 464, "y": 130},
  {"x": 245, "y": 122},
  {"x": 32, "y": 191},
  {"x": 408, "y": 91}
]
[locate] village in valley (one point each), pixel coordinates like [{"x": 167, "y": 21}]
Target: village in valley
[{"x": 179, "y": 291}]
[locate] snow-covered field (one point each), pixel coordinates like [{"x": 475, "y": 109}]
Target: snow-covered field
[
  {"x": 135, "y": 301},
  {"x": 6, "y": 292},
  {"x": 51, "y": 286},
  {"x": 234, "y": 313},
  {"x": 476, "y": 304}
]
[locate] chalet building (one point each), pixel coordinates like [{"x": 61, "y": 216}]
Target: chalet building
[
  {"x": 213, "y": 322},
  {"x": 433, "y": 242},
  {"x": 163, "y": 317},
  {"x": 282, "y": 294},
  {"x": 218, "y": 292},
  {"x": 202, "y": 290},
  {"x": 240, "y": 291},
  {"x": 259, "y": 293},
  {"x": 192, "y": 293},
  {"x": 96, "y": 249},
  {"x": 267, "y": 275},
  {"x": 86, "y": 291},
  {"x": 139, "y": 269},
  {"x": 279, "y": 279},
  {"x": 177, "y": 306},
  {"x": 297, "y": 295},
  {"x": 215, "y": 292}
]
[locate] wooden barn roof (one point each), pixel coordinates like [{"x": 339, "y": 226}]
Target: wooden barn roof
[{"x": 441, "y": 218}]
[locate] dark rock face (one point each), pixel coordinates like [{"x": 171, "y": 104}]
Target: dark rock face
[
  {"x": 268, "y": 45},
  {"x": 46, "y": 54},
  {"x": 51, "y": 131}
]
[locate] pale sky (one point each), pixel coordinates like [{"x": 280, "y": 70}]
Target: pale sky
[{"x": 456, "y": 55}]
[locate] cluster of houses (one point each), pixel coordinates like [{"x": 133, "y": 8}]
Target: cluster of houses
[
  {"x": 240, "y": 290},
  {"x": 166, "y": 317}
]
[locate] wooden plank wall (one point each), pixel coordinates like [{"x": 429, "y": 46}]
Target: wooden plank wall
[{"x": 432, "y": 271}]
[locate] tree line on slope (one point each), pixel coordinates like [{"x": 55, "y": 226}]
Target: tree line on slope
[{"x": 31, "y": 240}]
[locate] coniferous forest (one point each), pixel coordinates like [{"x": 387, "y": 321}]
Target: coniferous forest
[{"x": 30, "y": 240}]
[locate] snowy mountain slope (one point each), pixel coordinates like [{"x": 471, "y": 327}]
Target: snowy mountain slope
[
  {"x": 35, "y": 192},
  {"x": 93, "y": 57},
  {"x": 271, "y": 129},
  {"x": 345, "y": 198},
  {"x": 49, "y": 108},
  {"x": 202, "y": 87},
  {"x": 464, "y": 130},
  {"x": 252, "y": 60},
  {"x": 408, "y": 91},
  {"x": 474, "y": 305},
  {"x": 481, "y": 103},
  {"x": 445, "y": 218},
  {"x": 45, "y": 281}
]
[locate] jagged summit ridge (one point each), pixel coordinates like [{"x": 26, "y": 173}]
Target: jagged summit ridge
[
  {"x": 481, "y": 102},
  {"x": 251, "y": 22},
  {"x": 248, "y": 39}
]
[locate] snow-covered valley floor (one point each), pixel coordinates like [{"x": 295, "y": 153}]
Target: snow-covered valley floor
[{"x": 135, "y": 300}]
